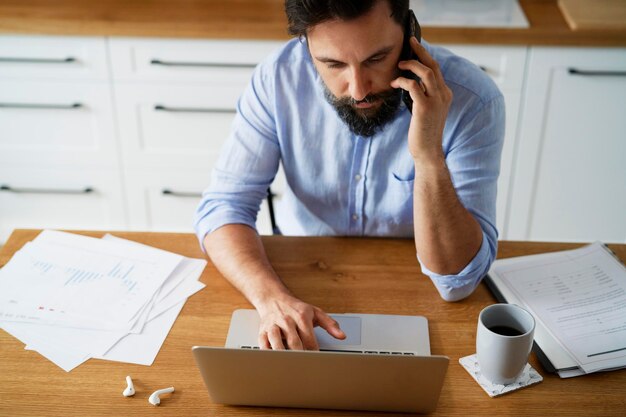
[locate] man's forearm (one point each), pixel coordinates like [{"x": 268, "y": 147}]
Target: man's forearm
[
  {"x": 286, "y": 322},
  {"x": 447, "y": 236},
  {"x": 237, "y": 252}
]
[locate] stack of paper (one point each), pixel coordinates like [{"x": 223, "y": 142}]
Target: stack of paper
[
  {"x": 71, "y": 297},
  {"x": 578, "y": 299}
]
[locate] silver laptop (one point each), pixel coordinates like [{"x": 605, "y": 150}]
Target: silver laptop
[
  {"x": 365, "y": 333},
  {"x": 384, "y": 364}
]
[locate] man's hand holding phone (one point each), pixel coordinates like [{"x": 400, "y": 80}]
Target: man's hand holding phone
[{"x": 431, "y": 101}]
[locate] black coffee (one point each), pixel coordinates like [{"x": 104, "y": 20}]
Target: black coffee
[{"x": 506, "y": 330}]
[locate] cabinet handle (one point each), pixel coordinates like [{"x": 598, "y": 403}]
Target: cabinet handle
[
  {"x": 12, "y": 60},
  {"x": 72, "y": 106},
  {"x": 199, "y": 64},
  {"x": 574, "y": 71},
  {"x": 167, "y": 191},
  {"x": 86, "y": 190},
  {"x": 160, "y": 107}
]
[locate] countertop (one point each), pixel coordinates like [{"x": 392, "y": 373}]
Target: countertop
[{"x": 258, "y": 19}]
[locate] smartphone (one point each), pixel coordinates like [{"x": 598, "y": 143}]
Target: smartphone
[{"x": 411, "y": 28}]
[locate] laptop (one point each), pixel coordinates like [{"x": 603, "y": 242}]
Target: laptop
[{"x": 384, "y": 364}]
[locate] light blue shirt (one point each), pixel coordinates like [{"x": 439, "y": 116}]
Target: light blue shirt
[{"x": 340, "y": 184}]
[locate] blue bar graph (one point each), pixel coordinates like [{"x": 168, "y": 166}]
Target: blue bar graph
[
  {"x": 122, "y": 272},
  {"x": 78, "y": 276}
]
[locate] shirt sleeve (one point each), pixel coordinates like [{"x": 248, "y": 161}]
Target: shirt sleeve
[
  {"x": 473, "y": 159},
  {"x": 247, "y": 164}
]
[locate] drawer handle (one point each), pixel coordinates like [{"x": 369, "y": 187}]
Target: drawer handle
[
  {"x": 160, "y": 107},
  {"x": 167, "y": 191},
  {"x": 86, "y": 190},
  {"x": 68, "y": 60},
  {"x": 574, "y": 71},
  {"x": 199, "y": 64},
  {"x": 72, "y": 106}
]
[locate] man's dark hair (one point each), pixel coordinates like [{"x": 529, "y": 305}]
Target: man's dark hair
[{"x": 304, "y": 14}]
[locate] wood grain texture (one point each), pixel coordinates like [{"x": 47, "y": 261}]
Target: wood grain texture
[
  {"x": 594, "y": 14},
  {"x": 338, "y": 274},
  {"x": 259, "y": 19}
]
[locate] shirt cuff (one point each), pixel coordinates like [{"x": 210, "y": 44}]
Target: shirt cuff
[{"x": 458, "y": 286}]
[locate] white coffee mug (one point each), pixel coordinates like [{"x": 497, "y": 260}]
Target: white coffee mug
[{"x": 503, "y": 341}]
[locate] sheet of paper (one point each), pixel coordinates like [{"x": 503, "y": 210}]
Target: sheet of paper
[
  {"x": 69, "y": 346},
  {"x": 581, "y": 300},
  {"x": 58, "y": 353},
  {"x": 78, "y": 281},
  {"x": 143, "y": 348}
]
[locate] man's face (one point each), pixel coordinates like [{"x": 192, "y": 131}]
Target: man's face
[{"x": 357, "y": 59}]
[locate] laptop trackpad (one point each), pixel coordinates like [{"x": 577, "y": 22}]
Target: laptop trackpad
[{"x": 351, "y": 326}]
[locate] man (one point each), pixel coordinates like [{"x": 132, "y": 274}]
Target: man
[{"x": 357, "y": 161}]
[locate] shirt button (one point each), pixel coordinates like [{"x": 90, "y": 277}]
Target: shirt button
[
  {"x": 357, "y": 177},
  {"x": 355, "y": 216}
]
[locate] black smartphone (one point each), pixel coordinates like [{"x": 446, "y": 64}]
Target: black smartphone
[{"x": 411, "y": 28}]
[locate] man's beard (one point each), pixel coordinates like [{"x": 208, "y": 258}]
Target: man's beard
[{"x": 365, "y": 122}]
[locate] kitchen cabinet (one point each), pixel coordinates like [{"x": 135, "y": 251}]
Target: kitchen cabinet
[
  {"x": 64, "y": 198},
  {"x": 570, "y": 173},
  {"x": 175, "y": 102},
  {"x": 139, "y": 122},
  {"x": 58, "y": 149},
  {"x": 56, "y": 123},
  {"x": 505, "y": 65}
]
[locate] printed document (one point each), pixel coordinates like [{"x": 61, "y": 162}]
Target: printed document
[
  {"x": 72, "y": 298},
  {"x": 578, "y": 297}
]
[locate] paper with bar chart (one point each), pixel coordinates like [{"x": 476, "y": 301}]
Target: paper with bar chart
[{"x": 72, "y": 297}]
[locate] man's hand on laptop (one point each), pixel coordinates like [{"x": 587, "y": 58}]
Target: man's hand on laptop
[{"x": 287, "y": 323}]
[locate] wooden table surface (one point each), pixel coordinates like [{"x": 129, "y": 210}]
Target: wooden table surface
[
  {"x": 260, "y": 19},
  {"x": 338, "y": 274}
]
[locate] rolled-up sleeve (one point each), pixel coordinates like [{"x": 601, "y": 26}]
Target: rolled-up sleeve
[
  {"x": 459, "y": 286},
  {"x": 473, "y": 159},
  {"x": 247, "y": 164}
]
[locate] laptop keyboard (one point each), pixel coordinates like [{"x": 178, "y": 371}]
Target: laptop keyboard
[{"x": 373, "y": 352}]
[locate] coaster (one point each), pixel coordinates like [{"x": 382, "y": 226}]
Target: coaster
[{"x": 528, "y": 377}]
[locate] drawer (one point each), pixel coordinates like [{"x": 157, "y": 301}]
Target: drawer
[
  {"x": 52, "y": 57},
  {"x": 175, "y": 125},
  {"x": 46, "y": 123},
  {"x": 504, "y": 64},
  {"x": 187, "y": 60},
  {"x": 167, "y": 200},
  {"x": 64, "y": 199}
]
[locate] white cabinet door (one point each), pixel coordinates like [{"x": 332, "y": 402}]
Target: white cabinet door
[
  {"x": 57, "y": 198},
  {"x": 174, "y": 125},
  {"x": 188, "y": 60},
  {"x": 166, "y": 200},
  {"x": 57, "y": 123},
  {"x": 570, "y": 179},
  {"x": 506, "y": 66},
  {"x": 52, "y": 57}
]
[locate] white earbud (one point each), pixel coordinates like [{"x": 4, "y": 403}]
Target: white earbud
[
  {"x": 130, "y": 389},
  {"x": 154, "y": 398}
]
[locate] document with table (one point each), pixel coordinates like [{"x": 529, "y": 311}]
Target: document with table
[
  {"x": 72, "y": 297},
  {"x": 578, "y": 298}
]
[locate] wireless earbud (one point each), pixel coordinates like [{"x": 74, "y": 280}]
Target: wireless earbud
[
  {"x": 154, "y": 398},
  {"x": 130, "y": 389}
]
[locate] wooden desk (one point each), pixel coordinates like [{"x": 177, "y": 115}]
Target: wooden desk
[{"x": 337, "y": 274}]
